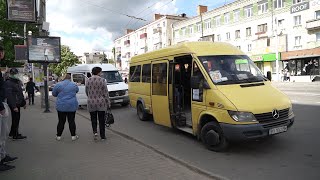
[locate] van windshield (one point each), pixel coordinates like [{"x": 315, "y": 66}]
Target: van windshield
[
  {"x": 111, "y": 76},
  {"x": 231, "y": 69}
]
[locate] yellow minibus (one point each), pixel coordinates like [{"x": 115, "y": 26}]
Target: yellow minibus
[{"x": 209, "y": 89}]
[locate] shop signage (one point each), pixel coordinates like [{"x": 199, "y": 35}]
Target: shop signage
[
  {"x": 299, "y": 7},
  {"x": 257, "y": 58},
  {"x": 315, "y": 3}
]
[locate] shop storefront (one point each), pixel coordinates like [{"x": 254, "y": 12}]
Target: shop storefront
[
  {"x": 303, "y": 65},
  {"x": 267, "y": 62}
]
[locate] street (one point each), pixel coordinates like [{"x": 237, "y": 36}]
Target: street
[{"x": 291, "y": 155}]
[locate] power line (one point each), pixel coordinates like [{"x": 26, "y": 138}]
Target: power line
[
  {"x": 133, "y": 17},
  {"x": 154, "y": 10},
  {"x": 140, "y": 13}
]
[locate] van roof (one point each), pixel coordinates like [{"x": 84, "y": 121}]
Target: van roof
[
  {"x": 200, "y": 48},
  {"x": 88, "y": 67}
]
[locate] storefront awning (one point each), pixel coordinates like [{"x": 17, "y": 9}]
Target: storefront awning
[{"x": 301, "y": 57}]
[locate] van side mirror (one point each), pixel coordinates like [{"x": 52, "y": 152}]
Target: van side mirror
[{"x": 194, "y": 82}]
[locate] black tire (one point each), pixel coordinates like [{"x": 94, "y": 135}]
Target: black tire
[
  {"x": 143, "y": 116},
  {"x": 125, "y": 104},
  {"x": 213, "y": 138}
]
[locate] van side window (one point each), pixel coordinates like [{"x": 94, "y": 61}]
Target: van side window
[
  {"x": 79, "y": 79},
  {"x": 197, "y": 94},
  {"x": 135, "y": 73},
  {"x": 88, "y": 75},
  {"x": 146, "y": 73}
]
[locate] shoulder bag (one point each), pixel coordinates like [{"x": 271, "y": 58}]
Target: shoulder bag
[{"x": 109, "y": 119}]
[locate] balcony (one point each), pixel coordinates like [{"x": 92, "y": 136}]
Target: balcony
[
  {"x": 127, "y": 43},
  {"x": 313, "y": 24},
  {"x": 157, "y": 30},
  {"x": 144, "y": 35}
]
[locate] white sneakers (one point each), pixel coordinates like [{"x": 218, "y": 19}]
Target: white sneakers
[
  {"x": 95, "y": 136},
  {"x": 73, "y": 138}
]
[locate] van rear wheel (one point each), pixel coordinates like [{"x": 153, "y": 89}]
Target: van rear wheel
[
  {"x": 143, "y": 116},
  {"x": 213, "y": 138}
]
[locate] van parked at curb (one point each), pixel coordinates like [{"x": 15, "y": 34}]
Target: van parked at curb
[
  {"x": 118, "y": 90},
  {"x": 211, "y": 90}
]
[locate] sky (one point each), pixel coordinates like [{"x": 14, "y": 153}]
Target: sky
[{"x": 92, "y": 25}]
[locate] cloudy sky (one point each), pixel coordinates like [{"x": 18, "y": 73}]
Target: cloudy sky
[{"x": 91, "y": 25}]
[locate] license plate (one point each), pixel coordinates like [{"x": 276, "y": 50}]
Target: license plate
[
  {"x": 278, "y": 130},
  {"x": 118, "y": 100}
]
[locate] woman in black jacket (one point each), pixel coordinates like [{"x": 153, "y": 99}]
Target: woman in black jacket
[{"x": 15, "y": 99}]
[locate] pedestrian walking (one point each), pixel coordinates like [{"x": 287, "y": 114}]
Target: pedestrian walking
[
  {"x": 66, "y": 105},
  {"x": 98, "y": 101},
  {"x": 30, "y": 88},
  {"x": 4, "y": 119},
  {"x": 15, "y": 99}
]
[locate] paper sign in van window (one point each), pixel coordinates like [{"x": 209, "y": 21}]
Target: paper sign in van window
[{"x": 241, "y": 61}]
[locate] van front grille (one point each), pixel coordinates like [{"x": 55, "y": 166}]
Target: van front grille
[
  {"x": 267, "y": 117},
  {"x": 117, "y": 93}
]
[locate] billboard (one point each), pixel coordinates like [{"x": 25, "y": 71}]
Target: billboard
[
  {"x": 44, "y": 49},
  {"x": 21, "y": 10}
]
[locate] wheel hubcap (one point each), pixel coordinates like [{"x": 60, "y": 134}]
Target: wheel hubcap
[{"x": 212, "y": 138}]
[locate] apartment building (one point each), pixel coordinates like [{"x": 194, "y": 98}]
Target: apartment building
[
  {"x": 155, "y": 35},
  {"x": 94, "y": 58},
  {"x": 267, "y": 30}
]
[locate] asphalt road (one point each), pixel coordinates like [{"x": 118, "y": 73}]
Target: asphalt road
[{"x": 291, "y": 155}]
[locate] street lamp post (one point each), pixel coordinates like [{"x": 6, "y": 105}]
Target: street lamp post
[{"x": 277, "y": 56}]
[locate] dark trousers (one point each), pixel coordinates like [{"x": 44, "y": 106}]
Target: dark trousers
[
  {"x": 63, "y": 116},
  {"x": 31, "y": 97},
  {"x": 15, "y": 122},
  {"x": 101, "y": 116}
]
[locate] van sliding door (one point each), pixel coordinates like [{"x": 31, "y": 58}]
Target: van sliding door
[{"x": 160, "y": 94}]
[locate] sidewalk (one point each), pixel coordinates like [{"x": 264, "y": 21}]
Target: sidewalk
[{"x": 42, "y": 157}]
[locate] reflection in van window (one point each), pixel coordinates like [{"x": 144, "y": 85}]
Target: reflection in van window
[
  {"x": 79, "y": 79},
  {"x": 231, "y": 69},
  {"x": 135, "y": 72},
  {"x": 146, "y": 73},
  {"x": 111, "y": 76}
]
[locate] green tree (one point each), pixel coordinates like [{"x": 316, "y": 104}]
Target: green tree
[
  {"x": 68, "y": 59},
  {"x": 11, "y": 33}
]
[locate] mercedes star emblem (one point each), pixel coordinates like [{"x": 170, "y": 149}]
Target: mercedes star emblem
[{"x": 275, "y": 114}]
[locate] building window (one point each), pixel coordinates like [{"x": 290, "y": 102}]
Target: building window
[
  {"x": 263, "y": 6},
  {"x": 317, "y": 15},
  {"x": 249, "y": 47},
  {"x": 239, "y": 47},
  {"x": 318, "y": 36},
  {"x": 176, "y": 34},
  {"x": 218, "y": 38},
  {"x": 268, "y": 42},
  {"x": 191, "y": 29},
  {"x": 164, "y": 24},
  {"x": 281, "y": 23},
  {"x": 237, "y": 33},
  {"x": 297, "y": 20},
  {"x": 278, "y": 4},
  {"x": 226, "y": 18},
  {"x": 248, "y": 31},
  {"x": 236, "y": 15},
  {"x": 183, "y": 31},
  {"x": 248, "y": 11},
  {"x": 262, "y": 28},
  {"x": 208, "y": 24},
  {"x": 217, "y": 20},
  {"x": 297, "y": 1},
  {"x": 228, "y": 36},
  {"x": 199, "y": 27},
  {"x": 297, "y": 40}
]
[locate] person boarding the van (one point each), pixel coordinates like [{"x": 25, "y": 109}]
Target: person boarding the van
[
  {"x": 98, "y": 101},
  {"x": 66, "y": 105}
]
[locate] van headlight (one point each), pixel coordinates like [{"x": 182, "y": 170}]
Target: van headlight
[
  {"x": 126, "y": 92},
  {"x": 242, "y": 116},
  {"x": 290, "y": 112}
]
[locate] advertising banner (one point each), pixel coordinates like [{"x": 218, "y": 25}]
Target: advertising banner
[
  {"x": 21, "y": 10},
  {"x": 44, "y": 49}
]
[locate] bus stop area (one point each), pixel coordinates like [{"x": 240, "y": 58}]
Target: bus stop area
[{"x": 42, "y": 157}]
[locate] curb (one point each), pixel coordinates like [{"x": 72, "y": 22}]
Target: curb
[{"x": 177, "y": 160}]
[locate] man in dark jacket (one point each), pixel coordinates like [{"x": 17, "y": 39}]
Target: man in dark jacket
[
  {"x": 4, "y": 118},
  {"x": 30, "y": 90},
  {"x": 15, "y": 99}
]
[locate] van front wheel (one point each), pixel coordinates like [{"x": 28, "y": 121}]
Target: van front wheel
[
  {"x": 143, "y": 116},
  {"x": 213, "y": 138}
]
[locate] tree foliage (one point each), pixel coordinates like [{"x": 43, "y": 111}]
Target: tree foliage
[
  {"x": 12, "y": 33},
  {"x": 68, "y": 59}
]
